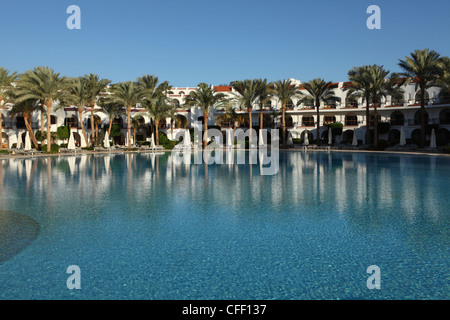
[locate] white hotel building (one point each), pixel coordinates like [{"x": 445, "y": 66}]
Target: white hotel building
[{"x": 299, "y": 119}]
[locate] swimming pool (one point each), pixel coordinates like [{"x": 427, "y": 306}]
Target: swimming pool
[{"x": 141, "y": 227}]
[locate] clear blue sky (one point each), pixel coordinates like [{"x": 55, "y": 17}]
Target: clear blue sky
[{"x": 187, "y": 42}]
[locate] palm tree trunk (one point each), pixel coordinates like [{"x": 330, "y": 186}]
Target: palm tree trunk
[
  {"x": 250, "y": 126},
  {"x": 156, "y": 132},
  {"x": 367, "y": 120},
  {"x": 205, "y": 124},
  {"x": 422, "y": 116},
  {"x": 93, "y": 133},
  {"x": 49, "y": 109},
  {"x": 80, "y": 116},
  {"x": 27, "y": 119},
  {"x": 110, "y": 125},
  {"x": 42, "y": 122},
  {"x": 129, "y": 126},
  {"x": 375, "y": 124},
  {"x": 283, "y": 123},
  {"x": 318, "y": 122},
  {"x": 261, "y": 121}
]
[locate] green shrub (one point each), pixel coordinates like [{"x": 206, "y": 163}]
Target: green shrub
[
  {"x": 4, "y": 152},
  {"x": 63, "y": 133},
  {"x": 166, "y": 143},
  {"x": 54, "y": 148},
  {"x": 63, "y": 145},
  {"x": 297, "y": 140},
  {"x": 446, "y": 149},
  {"x": 91, "y": 148},
  {"x": 336, "y": 128}
]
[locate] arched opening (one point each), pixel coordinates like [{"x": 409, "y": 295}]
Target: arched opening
[
  {"x": 442, "y": 137},
  {"x": 328, "y": 119},
  {"x": 418, "y": 117},
  {"x": 444, "y": 116},
  {"x": 20, "y": 122},
  {"x": 394, "y": 137},
  {"x": 119, "y": 140},
  {"x": 267, "y": 105},
  {"x": 351, "y": 120},
  {"x": 347, "y": 136},
  {"x": 397, "y": 118},
  {"x": 351, "y": 102},
  {"x": 118, "y": 120},
  {"x": 180, "y": 121},
  {"x": 71, "y": 122},
  {"x": 308, "y": 103},
  {"x": 97, "y": 121},
  {"x": 444, "y": 97},
  {"x": 77, "y": 139},
  {"x": 290, "y": 105},
  {"x": 140, "y": 137},
  {"x": 417, "y": 97},
  {"x": 289, "y": 121},
  {"x": 308, "y": 121},
  {"x": 176, "y": 103}
]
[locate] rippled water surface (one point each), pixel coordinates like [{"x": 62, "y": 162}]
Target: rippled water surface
[{"x": 141, "y": 227}]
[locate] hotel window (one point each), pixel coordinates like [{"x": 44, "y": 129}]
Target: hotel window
[
  {"x": 418, "y": 94},
  {"x": 351, "y": 120},
  {"x": 328, "y": 119}
]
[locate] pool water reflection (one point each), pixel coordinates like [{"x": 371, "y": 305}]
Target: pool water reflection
[{"x": 142, "y": 227}]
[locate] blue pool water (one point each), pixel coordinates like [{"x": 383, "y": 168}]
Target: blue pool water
[{"x": 141, "y": 227}]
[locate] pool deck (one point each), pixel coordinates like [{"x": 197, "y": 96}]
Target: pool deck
[{"x": 294, "y": 149}]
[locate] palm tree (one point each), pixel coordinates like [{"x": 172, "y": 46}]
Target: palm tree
[
  {"x": 42, "y": 83},
  {"x": 77, "y": 96},
  {"x": 94, "y": 88},
  {"x": 247, "y": 96},
  {"x": 158, "y": 109},
  {"x": 319, "y": 90},
  {"x": 128, "y": 95},
  {"x": 135, "y": 123},
  {"x": 265, "y": 92},
  {"x": 6, "y": 80},
  {"x": 111, "y": 109},
  {"x": 207, "y": 99},
  {"x": 25, "y": 109},
  {"x": 153, "y": 90},
  {"x": 422, "y": 67},
  {"x": 381, "y": 87},
  {"x": 444, "y": 81},
  {"x": 285, "y": 90},
  {"x": 360, "y": 86}
]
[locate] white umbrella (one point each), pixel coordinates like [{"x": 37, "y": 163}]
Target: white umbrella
[
  {"x": 71, "y": 144},
  {"x": 230, "y": 138},
  {"x": 106, "y": 142},
  {"x": 289, "y": 140},
  {"x": 330, "y": 136},
  {"x": 402, "y": 136},
  {"x": 261, "y": 138},
  {"x": 306, "y": 138},
  {"x": 19, "y": 141},
  {"x": 355, "y": 139},
  {"x": 27, "y": 141},
  {"x": 152, "y": 143},
  {"x": 433, "y": 140}
]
